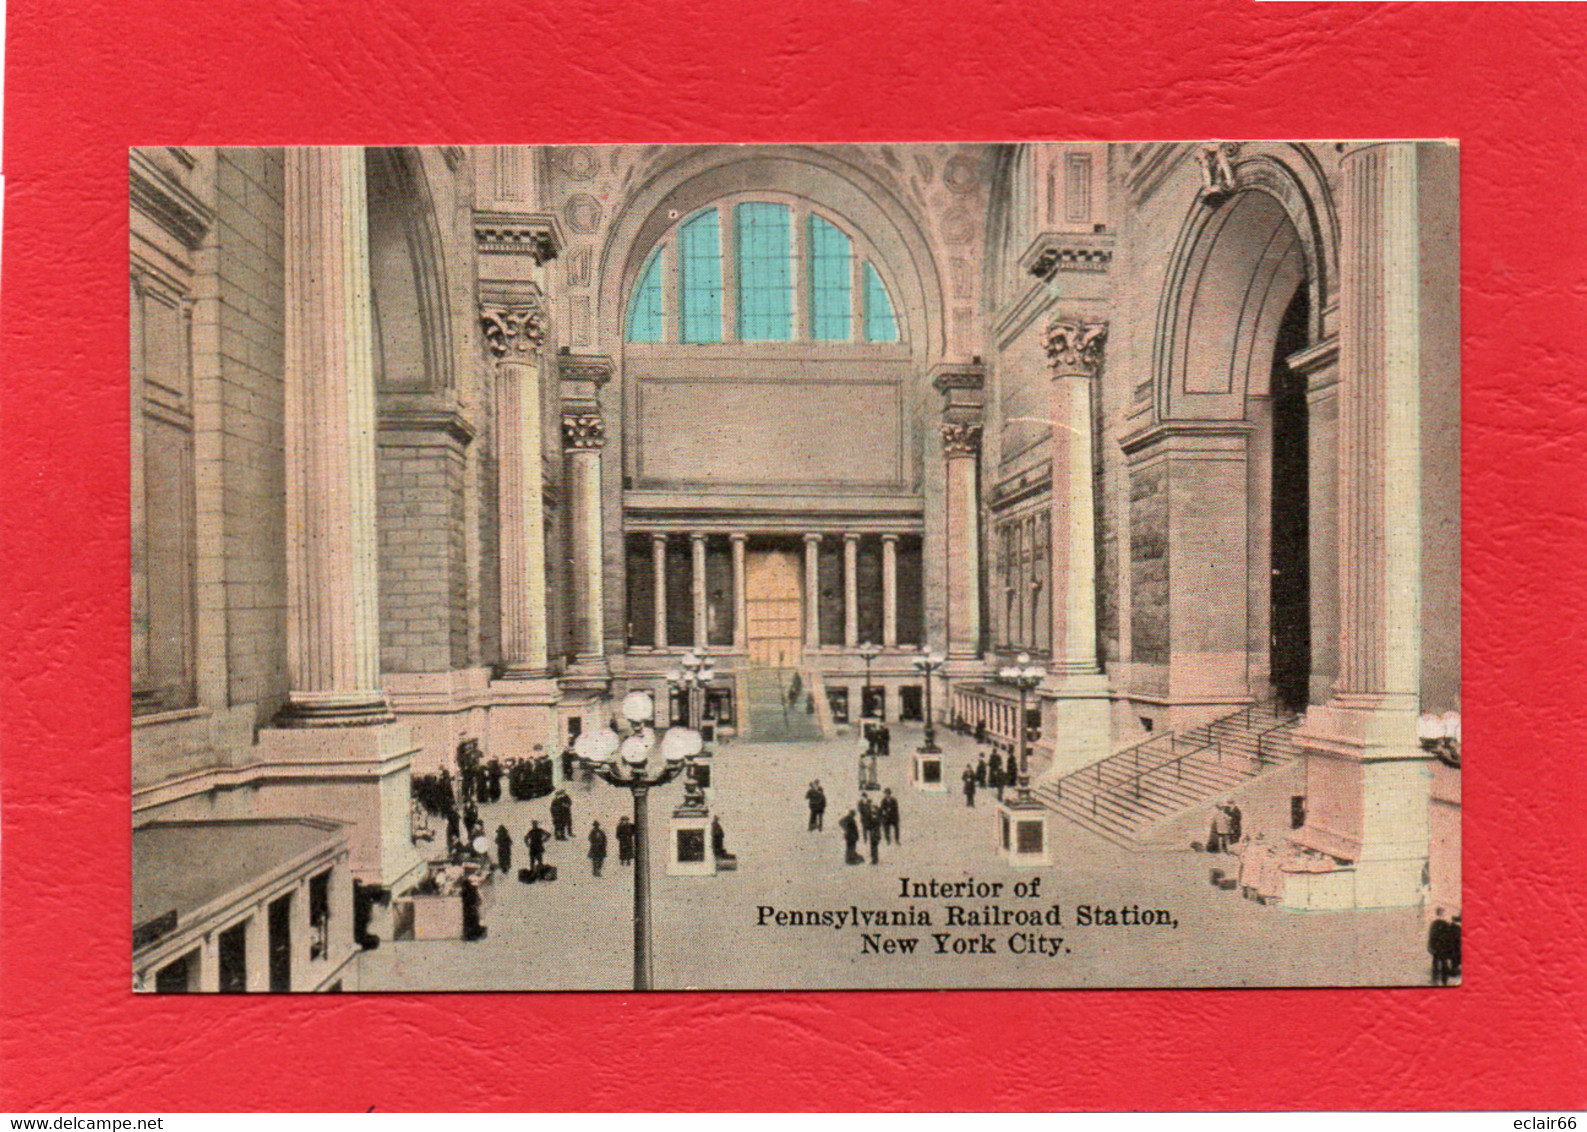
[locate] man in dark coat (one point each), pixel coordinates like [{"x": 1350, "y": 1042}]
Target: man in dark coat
[
  {"x": 625, "y": 840},
  {"x": 503, "y": 848},
  {"x": 536, "y": 839},
  {"x": 562, "y": 815},
  {"x": 472, "y": 927},
  {"x": 597, "y": 848},
  {"x": 994, "y": 772},
  {"x": 817, "y": 798},
  {"x": 873, "y": 834},
  {"x": 980, "y": 771},
  {"x": 969, "y": 785},
  {"x": 719, "y": 841},
  {"x": 889, "y": 811},
  {"x": 495, "y": 773},
  {"x": 867, "y": 813},
  {"x": 851, "y": 838}
]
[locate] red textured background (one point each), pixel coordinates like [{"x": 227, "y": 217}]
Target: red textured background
[{"x": 85, "y": 80}]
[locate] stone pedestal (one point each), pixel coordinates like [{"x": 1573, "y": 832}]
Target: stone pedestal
[
  {"x": 358, "y": 775},
  {"x": 1077, "y": 721},
  {"x": 926, "y": 772},
  {"x": 689, "y": 843},
  {"x": 1022, "y": 832}
]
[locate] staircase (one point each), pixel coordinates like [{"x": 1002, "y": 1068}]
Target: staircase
[
  {"x": 772, "y": 719},
  {"x": 1126, "y": 795}
]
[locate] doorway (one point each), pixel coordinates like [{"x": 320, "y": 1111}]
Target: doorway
[
  {"x": 1289, "y": 654},
  {"x": 774, "y": 607}
]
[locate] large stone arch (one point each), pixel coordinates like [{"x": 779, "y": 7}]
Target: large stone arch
[
  {"x": 414, "y": 344},
  {"x": 1264, "y": 223}
]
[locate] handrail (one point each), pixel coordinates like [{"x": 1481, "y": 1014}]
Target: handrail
[{"x": 1176, "y": 758}]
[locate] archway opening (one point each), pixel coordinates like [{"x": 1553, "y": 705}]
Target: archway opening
[{"x": 1289, "y": 595}]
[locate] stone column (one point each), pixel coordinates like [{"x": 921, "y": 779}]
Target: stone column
[
  {"x": 812, "y": 591},
  {"x": 851, "y": 591},
  {"x": 697, "y": 546},
  {"x": 1366, "y": 774},
  {"x": 1076, "y": 715},
  {"x": 336, "y": 715},
  {"x": 583, "y": 435},
  {"x": 961, "y": 444},
  {"x": 740, "y": 597},
  {"x": 658, "y": 565},
  {"x": 333, "y": 627},
  {"x": 513, "y": 336},
  {"x": 256, "y": 950},
  {"x": 890, "y": 591}
]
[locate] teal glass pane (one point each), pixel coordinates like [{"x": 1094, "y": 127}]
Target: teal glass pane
[
  {"x": 765, "y": 281},
  {"x": 645, "y": 321},
  {"x": 831, "y": 271},
  {"x": 700, "y": 279},
  {"x": 880, "y": 325}
]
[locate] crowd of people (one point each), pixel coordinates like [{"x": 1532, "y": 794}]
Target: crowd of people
[
  {"x": 874, "y": 821},
  {"x": 989, "y": 772}
]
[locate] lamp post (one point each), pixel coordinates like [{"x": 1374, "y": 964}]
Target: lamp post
[
  {"x": 695, "y": 673},
  {"x": 868, "y": 652},
  {"x": 927, "y": 663},
  {"x": 1025, "y": 676},
  {"x": 639, "y": 763}
]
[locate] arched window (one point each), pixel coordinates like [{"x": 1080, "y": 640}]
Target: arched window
[
  {"x": 645, "y": 323},
  {"x": 880, "y": 325},
  {"x": 765, "y": 278},
  {"x": 831, "y": 274},
  {"x": 789, "y": 275}
]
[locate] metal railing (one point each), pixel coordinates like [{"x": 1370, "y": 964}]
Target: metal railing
[{"x": 1179, "y": 749}]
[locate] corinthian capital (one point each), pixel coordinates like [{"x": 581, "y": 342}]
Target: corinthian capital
[
  {"x": 960, "y": 439},
  {"x": 513, "y": 328},
  {"x": 1074, "y": 348},
  {"x": 583, "y": 431}
]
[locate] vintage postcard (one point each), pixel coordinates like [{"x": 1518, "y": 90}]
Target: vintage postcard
[{"x": 795, "y": 566}]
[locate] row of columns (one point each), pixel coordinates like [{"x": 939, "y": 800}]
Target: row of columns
[{"x": 812, "y": 595}]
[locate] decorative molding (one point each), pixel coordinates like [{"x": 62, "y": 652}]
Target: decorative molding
[
  {"x": 448, "y": 423},
  {"x": 583, "y": 431},
  {"x": 169, "y": 203},
  {"x": 1053, "y": 252},
  {"x": 1217, "y": 170},
  {"x": 502, "y": 233},
  {"x": 960, "y": 439},
  {"x": 947, "y": 377},
  {"x": 1074, "y": 348},
  {"x": 1151, "y": 165},
  {"x": 513, "y": 328},
  {"x": 453, "y": 156},
  {"x": 597, "y": 369}
]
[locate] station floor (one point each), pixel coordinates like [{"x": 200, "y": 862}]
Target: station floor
[{"x": 708, "y": 932}]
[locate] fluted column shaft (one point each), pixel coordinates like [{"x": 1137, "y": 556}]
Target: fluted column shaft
[
  {"x": 812, "y": 591},
  {"x": 658, "y": 565},
  {"x": 1074, "y": 355},
  {"x": 583, "y": 435},
  {"x": 890, "y": 591},
  {"x": 1379, "y": 425},
  {"x": 333, "y": 627},
  {"x": 697, "y": 546},
  {"x": 740, "y": 597},
  {"x": 851, "y": 591},
  {"x": 960, "y": 445},
  {"x": 522, "y": 509}
]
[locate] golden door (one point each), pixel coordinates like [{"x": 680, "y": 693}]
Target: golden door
[{"x": 774, "y": 624}]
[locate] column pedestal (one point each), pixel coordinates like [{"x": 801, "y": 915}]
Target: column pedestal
[{"x": 1076, "y": 722}]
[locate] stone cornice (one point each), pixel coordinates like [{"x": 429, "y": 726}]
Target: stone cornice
[
  {"x": 947, "y": 377},
  {"x": 168, "y": 202},
  {"x": 1157, "y": 432},
  {"x": 597, "y": 369},
  {"x": 447, "y": 423},
  {"x": 1052, "y": 252},
  {"x": 504, "y": 233}
]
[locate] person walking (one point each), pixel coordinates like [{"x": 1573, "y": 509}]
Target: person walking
[
  {"x": 503, "y": 848},
  {"x": 889, "y": 809},
  {"x": 980, "y": 771},
  {"x": 597, "y": 848},
  {"x": 625, "y": 840},
  {"x": 969, "y": 786},
  {"x": 851, "y": 839},
  {"x": 994, "y": 772},
  {"x": 536, "y": 840},
  {"x": 817, "y": 799},
  {"x": 873, "y": 834}
]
